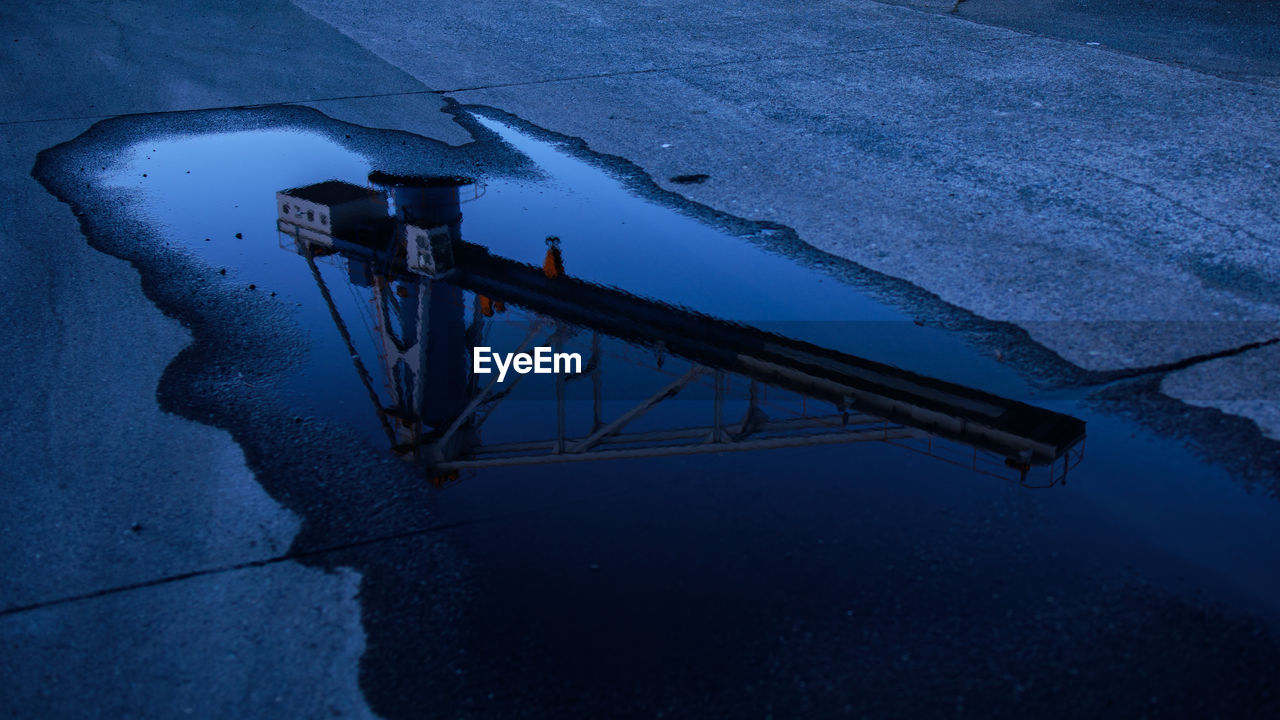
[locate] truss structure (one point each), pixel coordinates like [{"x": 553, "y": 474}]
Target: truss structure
[{"x": 435, "y": 409}]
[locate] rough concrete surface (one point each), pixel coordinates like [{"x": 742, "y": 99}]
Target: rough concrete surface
[
  {"x": 1236, "y": 39},
  {"x": 228, "y": 645},
  {"x": 1247, "y": 384},
  {"x": 1121, "y": 210}
]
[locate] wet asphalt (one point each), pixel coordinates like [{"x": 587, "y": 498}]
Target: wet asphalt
[{"x": 170, "y": 511}]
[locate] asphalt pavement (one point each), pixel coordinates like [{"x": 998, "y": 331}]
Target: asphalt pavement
[{"x": 1102, "y": 180}]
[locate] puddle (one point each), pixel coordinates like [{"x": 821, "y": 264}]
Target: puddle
[{"x": 670, "y": 552}]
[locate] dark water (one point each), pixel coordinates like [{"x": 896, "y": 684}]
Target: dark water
[{"x": 737, "y": 580}]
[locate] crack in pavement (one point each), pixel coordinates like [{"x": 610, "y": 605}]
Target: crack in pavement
[
  {"x": 1099, "y": 379},
  {"x": 1229, "y": 227},
  {"x": 494, "y": 86},
  {"x": 304, "y": 554},
  {"x": 221, "y": 569}
]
